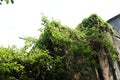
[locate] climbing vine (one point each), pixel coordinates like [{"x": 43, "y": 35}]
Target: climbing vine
[{"x": 60, "y": 53}]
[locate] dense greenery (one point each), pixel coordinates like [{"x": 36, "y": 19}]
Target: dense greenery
[{"x": 60, "y": 52}]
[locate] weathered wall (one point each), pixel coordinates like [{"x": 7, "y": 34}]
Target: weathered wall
[{"x": 116, "y": 42}]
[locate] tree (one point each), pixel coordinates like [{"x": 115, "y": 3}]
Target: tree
[
  {"x": 61, "y": 53},
  {"x": 7, "y": 1}
]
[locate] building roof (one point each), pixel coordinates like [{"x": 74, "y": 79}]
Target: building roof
[{"x": 111, "y": 19}]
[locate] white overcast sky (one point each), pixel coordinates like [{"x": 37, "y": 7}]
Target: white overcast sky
[{"x": 23, "y": 18}]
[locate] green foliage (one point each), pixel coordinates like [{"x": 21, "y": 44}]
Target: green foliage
[
  {"x": 57, "y": 38},
  {"x": 95, "y": 23},
  {"x": 60, "y": 52},
  {"x": 98, "y": 33},
  {"x": 8, "y": 66},
  {"x": 7, "y": 1}
]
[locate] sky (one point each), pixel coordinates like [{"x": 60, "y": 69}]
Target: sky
[{"x": 23, "y": 18}]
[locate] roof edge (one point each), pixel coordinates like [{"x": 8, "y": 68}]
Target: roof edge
[{"x": 113, "y": 18}]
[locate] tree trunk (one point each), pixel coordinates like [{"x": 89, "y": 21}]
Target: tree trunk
[{"x": 104, "y": 66}]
